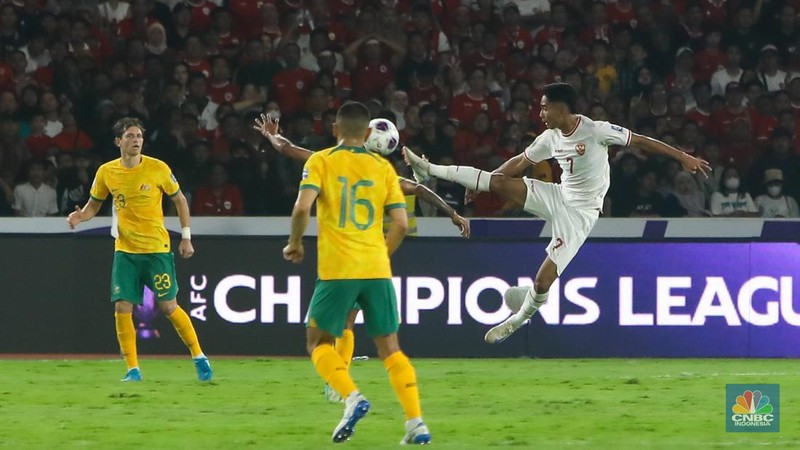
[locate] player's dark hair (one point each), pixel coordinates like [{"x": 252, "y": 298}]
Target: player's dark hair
[
  {"x": 561, "y": 93},
  {"x": 353, "y": 119},
  {"x": 123, "y": 124}
]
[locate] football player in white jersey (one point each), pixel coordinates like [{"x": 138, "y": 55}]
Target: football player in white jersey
[{"x": 580, "y": 145}]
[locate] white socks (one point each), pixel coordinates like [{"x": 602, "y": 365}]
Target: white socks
[
  {"x": 533, "y": 302},
  {"x": 413, "y": 423},
  {"x": 469, "y": 177}
]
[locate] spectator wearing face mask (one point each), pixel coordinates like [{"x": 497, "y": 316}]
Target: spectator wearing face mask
[
  {"x": 775, "y": 203},
  {"x": 731, "y": 199}
]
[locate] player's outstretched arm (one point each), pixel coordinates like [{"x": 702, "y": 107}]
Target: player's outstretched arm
[
  {"x": 410, "y": 187},
  {"x": 269, "y": 129},
  {"x": 397, "y": 229},
  {"x": 185, "y": 248},
  {"x": 83, "y": 214},
  {"x": 301, "y": 215},
  {"x": 689, "y": 162}
]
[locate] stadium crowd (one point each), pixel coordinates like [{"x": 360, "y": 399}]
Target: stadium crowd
[{"x": 461, "y": 79}]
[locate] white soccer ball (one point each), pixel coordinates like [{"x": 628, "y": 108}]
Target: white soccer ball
[{"x": 383, "y": 138}]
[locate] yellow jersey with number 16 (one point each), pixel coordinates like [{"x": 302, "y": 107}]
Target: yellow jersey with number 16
[
  {"x": 137, "y": 194},
  {"x": 355, "y": 188}
]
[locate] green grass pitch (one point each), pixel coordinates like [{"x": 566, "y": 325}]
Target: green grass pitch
[{"x": 479, "y": 403}]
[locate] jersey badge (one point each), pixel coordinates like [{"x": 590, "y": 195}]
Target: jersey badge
[{"x": 580, "y": 148}]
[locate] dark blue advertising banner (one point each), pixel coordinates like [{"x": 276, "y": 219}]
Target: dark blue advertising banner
[{"x": 616, "y": 299}]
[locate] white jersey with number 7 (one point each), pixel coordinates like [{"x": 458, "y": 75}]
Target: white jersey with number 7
[{"x": 582, "y": 154}]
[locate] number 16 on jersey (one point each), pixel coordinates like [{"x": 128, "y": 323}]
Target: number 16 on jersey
[{"x": 350, "y": 201}]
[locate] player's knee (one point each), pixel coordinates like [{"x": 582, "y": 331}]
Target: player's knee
[{"x": 499, "y": 183}]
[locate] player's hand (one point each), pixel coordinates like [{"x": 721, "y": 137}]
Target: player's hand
[
  {"x": 294, "y": 253},
  {"x": 469, "y": 196},
  {"x": 266, "y": 125},
  {"x": 692, "y": 164},
  {"x": 186, "y": 249},
  {"x": 462, "y": 224},
  {"x": 75, "y": 217}
]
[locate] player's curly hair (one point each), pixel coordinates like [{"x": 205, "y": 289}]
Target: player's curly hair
[{"x": 123, "y": 124}]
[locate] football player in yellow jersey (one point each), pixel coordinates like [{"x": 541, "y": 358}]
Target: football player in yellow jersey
[
  {"x": 142, "y": 254},
  {"x": 352, "y": 187},
  {"x": 345, "y": 344}
]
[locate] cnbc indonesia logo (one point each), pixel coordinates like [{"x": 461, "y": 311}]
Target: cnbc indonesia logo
[{"x": 753, "y": 410}]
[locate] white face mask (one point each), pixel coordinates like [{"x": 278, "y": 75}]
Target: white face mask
[
  {"x": 732, "y": 183},
  {"x": 774, "y": 190}
]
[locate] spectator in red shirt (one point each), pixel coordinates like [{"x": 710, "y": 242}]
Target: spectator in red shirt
[
  {"x": 373, "y": 73},
  {"x": 710, "y": 58},
  {"x": 221, "y": 89},
  {"x": 289, "y": 85},
  {"x": 715, "y": 12},
  {"x": 701, "y": 112},
  {"x": 71, "y": 138},
  {"x": 246, "y": 16},
  {"x": 229, "y": 41},
  {"x": 721, "y": 121},
  {"x": 422, "y": 21},
  {"x": 201, "y": 14},
  {"x": 764, "y": 118},
  {"x": 475, "y": 145},
  {"x": 486, "y": 57},
  {"x": 466, "y": 106},
  {"x": 271, "y": 23},
  {"x": 512, "y": 35},
  {"x": 196, "y": 57},
  {"x": 37, "y": 142},
  {"x": 137, "y": 21},
  {"x": 554, "y": 30},
  {"x": 231, "y": 132},
  {"x": 424, "y": 90},
  {"x": 217, "y": 197},
  {"x": 621, "y": 12},
  {"x": 342, "y": 81},
  {"x": 598, "y": 28},
  {"x": 691, "y": 31},
  {"x": 317, "y": 104}
]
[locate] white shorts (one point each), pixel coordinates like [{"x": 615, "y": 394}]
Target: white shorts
[{"x": 571, "y": 225}]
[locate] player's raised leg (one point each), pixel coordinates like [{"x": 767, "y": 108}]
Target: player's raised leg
[
  {"x": 524, "y": 302},
  {"x": 513, "y": 189}
]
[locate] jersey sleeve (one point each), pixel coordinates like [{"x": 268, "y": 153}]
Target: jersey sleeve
[
  {"x": 99, "y": 191},
  {"x": 609, "y": 134},
  {"x": 394, "y": 195},
  {"x": 312, "y": 174},
  {"x": 169, "y": 184},
  {"x": 540, "y": 150}
]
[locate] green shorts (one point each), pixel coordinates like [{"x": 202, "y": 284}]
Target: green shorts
[
  {"x": 131, "y": 272},
  {"x": 334, "y": 299}
]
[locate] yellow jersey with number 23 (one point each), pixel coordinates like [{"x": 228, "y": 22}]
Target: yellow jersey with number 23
[
  {"x": 137, "y": 194},
  {"x": 355, "y": 188}
]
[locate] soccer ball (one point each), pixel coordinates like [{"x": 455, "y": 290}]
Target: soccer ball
[{"x": 383, "y": 138}]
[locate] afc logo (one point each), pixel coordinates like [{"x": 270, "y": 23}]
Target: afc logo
[{"x": 580, "y": 148}]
